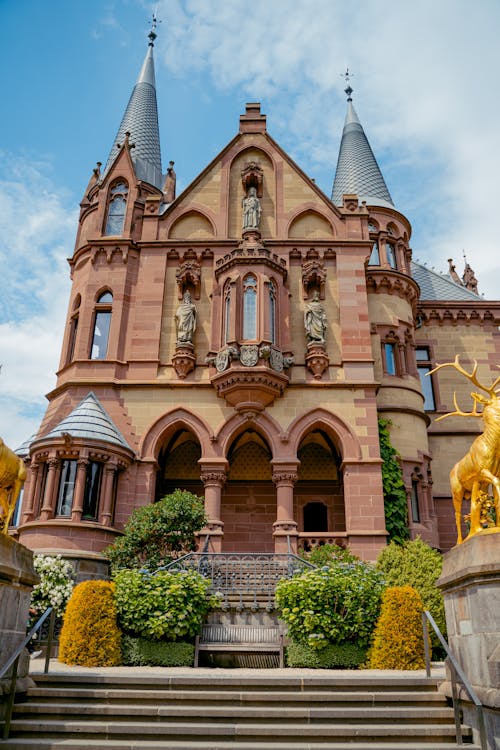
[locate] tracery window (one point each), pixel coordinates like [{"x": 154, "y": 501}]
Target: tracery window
[
  {"x": 250, "y": 308},
  {"x": 102, "y": 322},
  {"x": 117, "y": 206}
]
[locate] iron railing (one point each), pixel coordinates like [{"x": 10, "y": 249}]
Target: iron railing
[
  {"x": 457, "y": 676},
  {"x": 13, "y": 662},
  {"x": 242, "y": 580}
]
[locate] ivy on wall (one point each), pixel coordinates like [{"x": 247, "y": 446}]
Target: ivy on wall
[{"x": 395, "y": 502}]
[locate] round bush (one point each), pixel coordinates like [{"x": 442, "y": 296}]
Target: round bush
[
  {"x": 398, "y": 640},
  {"x": 90, "y": 636}
]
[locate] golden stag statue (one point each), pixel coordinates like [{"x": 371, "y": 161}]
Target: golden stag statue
[
  {"x": 12, "y": 476},
  {"x": 479, "y": 469}
]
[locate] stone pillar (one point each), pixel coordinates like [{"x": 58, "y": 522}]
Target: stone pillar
[
  {"x": 213, "y": 476},
  {"x": 49, "y": 500},
  {"x": 106, "y": 513},
  {"x": 81, "y": 475},
  {"x": 36, "y": 473},
  {"x": 285, "y": 526},
  {"x": 17, "y": 578},
  {"x": 364, "y": 507},
  {"x": 470, "y": 582}
]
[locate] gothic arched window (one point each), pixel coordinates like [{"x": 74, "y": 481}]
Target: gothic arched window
[
  {"x": 73, "y": 330},
  {"x": 227, "y": 311},
  {"x": 102, "y": 322},
  {"x": 272, "y": 311},
  {"x": 117, "y": 206},
  {"x": 375, "y": 255},
  {"x": 390, "y": 252},
  {"x": 250, "y": 308}
]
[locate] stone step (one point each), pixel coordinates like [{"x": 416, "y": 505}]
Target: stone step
[
  {"x": 231, "y": 744},
  {"x": 254, "y": 732}
]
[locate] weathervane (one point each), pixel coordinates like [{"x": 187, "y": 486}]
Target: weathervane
[
  {"x": 152, "y": 34},
  {"x": 347, "y": 77}
]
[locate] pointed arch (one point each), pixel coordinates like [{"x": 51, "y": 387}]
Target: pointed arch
[
  {"x": 262, "y": 423},
  {"x": 192, "y": 224},
  {"x": 165, "y": 427},
  {"x": 334, "y": 426},
  {"x": 309, "y": 223}
]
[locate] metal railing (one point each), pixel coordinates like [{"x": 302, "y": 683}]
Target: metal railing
[
  {"x": 13, "y": 662},
  {"x": 457, "y": 676},
  {"x": 243, "y": 580}
]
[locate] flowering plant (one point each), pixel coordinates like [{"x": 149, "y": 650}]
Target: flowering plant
[{"x": 56, "y": 584}]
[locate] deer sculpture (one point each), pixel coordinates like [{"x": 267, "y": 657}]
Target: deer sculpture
[
  {"x": 479, "y": 469},
  {"x": 12, "y": 476}
]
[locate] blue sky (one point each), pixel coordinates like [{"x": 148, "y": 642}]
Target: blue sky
[{"x": 425, "y": 89}]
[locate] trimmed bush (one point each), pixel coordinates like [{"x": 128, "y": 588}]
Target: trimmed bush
[
  {"x": 418, "y": 565},
  {"x": 167, "y": 605},
  {"x": 139, "y": 652},
  {"x": 154, "y": 534},
  {"x": 398, "y": 641},
  {"x": 325, "y": 554},
  {"x": 90, "y": 636},
  {"x": 333, "y": 604},
  {"x": 332, "y": 656}
]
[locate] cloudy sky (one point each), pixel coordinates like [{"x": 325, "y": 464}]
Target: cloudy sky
[{"x": 425, "y": 88}]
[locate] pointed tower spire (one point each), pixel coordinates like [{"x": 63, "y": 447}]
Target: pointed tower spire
[
  {"x": 357, "y": 169},
  {"x": 141, "y": 121}
]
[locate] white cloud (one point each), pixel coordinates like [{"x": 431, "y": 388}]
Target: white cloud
[
  {"x": 425, "y": 77},
  {"x": 36, "y": 236}
]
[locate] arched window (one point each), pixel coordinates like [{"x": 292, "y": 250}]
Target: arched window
[
  {"x": 92, "y": 490},
  {"x": 73, "y": 330},
  {"x": 227, "y": 311},
  {"x": 66, "y": 487},
  {"x": 102, "y": 322},
  {"x": 250, "y": 308},
  {"x": 375, "y": 255},
  {"x": 390, "y": 252},
  {"x": 272, "y": 311},
  {"x": 117, "y": 206},
  {"x": 390, "y": 358}
]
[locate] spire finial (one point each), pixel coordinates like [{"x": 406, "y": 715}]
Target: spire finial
[
  {"x": 152, "y": 34},
  {"x": 348, "y": 89}
]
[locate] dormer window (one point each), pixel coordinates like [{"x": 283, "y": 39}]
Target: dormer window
[
  {"x": 117, "y": 206},
  {"x": 102, "y": 322},
  {"x": 250, "y": 308}
]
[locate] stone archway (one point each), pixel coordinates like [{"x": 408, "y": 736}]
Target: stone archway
[{"x": 178, "y": 466}]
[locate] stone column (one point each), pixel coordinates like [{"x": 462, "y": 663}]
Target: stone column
[
  {"x": 106, "y": 513},
  {"x": 49, "y": 500},
  {"x": 213, "y": 477},
  {"x": 78, "y": 492},
  {"x": 33, "y": 491},
  {"x": 285, "y": 526}
]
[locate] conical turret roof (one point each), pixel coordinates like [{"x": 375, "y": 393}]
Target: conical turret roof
[
  {"x": 141, "y": 121},
  {"x": 357, "y": 169}
]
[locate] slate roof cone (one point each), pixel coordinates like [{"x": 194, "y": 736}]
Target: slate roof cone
[
  {"x": 357, "y": 169},
  {"x": 141, "y": 121}
]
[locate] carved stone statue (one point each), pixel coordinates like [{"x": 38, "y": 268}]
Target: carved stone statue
[
  {"x": 315, "y": 321},
  {"x": 251, "y": 210},
  {"x": 185, "y": 320},
  {"x": 12, "y": 476}
]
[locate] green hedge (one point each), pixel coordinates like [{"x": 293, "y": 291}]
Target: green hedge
[
  {"x": 332, "y": 656},
  {"x": 142, "y": 652}
]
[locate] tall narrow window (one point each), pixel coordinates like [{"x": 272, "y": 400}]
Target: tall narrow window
[
  {"x": 375, "y": 255},
  {"x": 390, "y": 358},
  {"x": 92, "y": 490},
  {"x": 424, "y": 366},
  {"x": 66, "y": 487},
  {"x": 390, "y": 252},
  {"x": 73, "y": 329},
  {"x": 250, "y": 308},
  {"x": 227, "y": 312},
  {"x": 272, "y": 311},
  {"x": 415, "y": 508},
  {"x": 102, "y": 322},
  {"x": 116, "y": 209}
]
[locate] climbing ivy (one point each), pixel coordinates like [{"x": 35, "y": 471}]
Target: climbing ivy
[{"x": 395, "y": 503}]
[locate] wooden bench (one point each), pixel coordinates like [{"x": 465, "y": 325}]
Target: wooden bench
[{"x": 240, "y": 639}]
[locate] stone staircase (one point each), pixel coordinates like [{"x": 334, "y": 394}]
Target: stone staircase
[{"x": 210, "y": 709}]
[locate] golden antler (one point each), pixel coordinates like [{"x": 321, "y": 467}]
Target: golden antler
[{"x": 472, "y": 377}]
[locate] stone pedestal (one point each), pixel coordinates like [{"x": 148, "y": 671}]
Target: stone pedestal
[
  {"x": 470, "y": 582},
  {"x": 17, "y": 578}
]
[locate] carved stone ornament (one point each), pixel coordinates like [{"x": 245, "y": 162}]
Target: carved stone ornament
[
  {"x": 222, "y": 359},
  {"x": 184, "y": 360},
  {"x": 317, "y": 360},
  {"x": 189, "y": 274},
  {"x": 313, "y": 275},
  {"x": 252, "y": 176},
  {"x": 249, "y": 355},
  {"x": 276, "y": 360}
]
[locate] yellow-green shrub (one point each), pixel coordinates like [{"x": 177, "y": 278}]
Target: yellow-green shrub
[
  {"x": 90, "y": 636},
  {"x": 397, "y": 640}
]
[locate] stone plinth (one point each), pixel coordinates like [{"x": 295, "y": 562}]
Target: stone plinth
[
  {"x": 17, "y": 578},
  {"x": 470, "y": 582}
]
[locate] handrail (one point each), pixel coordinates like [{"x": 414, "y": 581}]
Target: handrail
[
  {"x": 13, "y": 661},
  {"x": 455, "y": 672}
]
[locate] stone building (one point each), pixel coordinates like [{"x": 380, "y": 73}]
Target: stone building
[{"x": 241, "y": 340}]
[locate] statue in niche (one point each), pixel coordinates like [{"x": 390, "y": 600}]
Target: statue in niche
[
  {"x": 251, "y": 210},
  {"x": 315, "y": 321},
  {"x": 185, "y": 320}
]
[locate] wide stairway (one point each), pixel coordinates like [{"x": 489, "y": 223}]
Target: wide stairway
[{"x": 239, "y": 709}]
